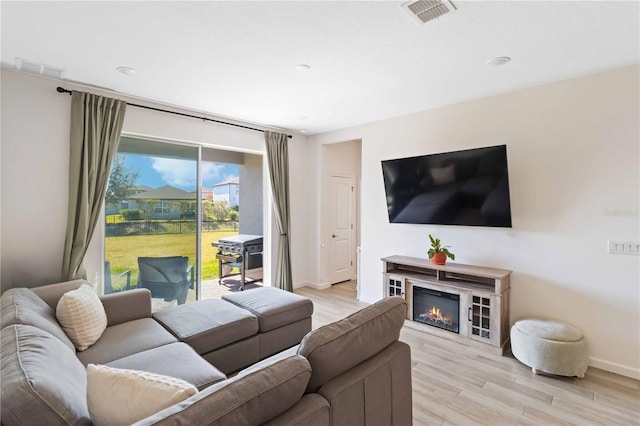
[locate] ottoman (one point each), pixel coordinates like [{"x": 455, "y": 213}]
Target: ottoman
[
  {"x": 220, "y": 332},
  {"x": 550, "y": 346},
  {"x": 284, "y": 318}
]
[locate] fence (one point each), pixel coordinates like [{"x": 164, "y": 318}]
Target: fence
[{"x": 157, "y": 227}]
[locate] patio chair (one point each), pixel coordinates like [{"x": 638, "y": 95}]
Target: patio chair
[
  {"x": 108, "y": 288},
  {"x": 167, "y": 278}
]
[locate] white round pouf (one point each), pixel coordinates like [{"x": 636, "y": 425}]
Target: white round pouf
[{"x": 550, "y": 346}]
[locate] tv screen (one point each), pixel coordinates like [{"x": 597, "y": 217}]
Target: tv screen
[{"x": 469, "y": 187}]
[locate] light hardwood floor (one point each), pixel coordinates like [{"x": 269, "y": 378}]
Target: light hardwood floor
[{"x": 454, "y": 384}]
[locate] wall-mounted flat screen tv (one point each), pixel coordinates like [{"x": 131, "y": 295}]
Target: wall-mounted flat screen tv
[{"x": 469, "y": 187}]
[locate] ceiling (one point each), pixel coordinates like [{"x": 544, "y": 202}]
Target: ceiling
[{"x": 369, "y": 60}]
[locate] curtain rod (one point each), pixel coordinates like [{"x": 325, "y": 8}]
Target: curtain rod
[{"x": 63, "y": 90}]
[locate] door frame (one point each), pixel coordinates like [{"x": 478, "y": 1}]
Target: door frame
[{"x": 343, "y": 158}]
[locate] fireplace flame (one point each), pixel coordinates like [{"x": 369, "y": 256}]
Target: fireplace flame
[{"x": 435, "y": 315}]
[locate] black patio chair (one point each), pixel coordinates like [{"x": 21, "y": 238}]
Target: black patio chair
[
  {"x": 108, "y": 287},
  {"x": 167, "y": 278}
]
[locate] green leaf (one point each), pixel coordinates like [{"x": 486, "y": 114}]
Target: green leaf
[{"x": 449, "y": 254}]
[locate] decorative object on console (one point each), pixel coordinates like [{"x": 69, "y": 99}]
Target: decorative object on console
[{"x": 438, "y": 253}]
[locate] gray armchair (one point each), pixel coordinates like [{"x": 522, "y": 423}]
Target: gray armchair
[{"x": 167, "y": 278}]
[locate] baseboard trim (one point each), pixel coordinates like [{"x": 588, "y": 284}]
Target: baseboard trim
[
  {"x": 614, "y": 367},
  {"x": 317, "y": 286}
]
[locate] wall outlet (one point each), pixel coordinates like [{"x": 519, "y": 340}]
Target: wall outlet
[{"x": 623, "y": 247}]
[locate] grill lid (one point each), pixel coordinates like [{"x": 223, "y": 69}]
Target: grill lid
[{"x": 241, "y": 240}]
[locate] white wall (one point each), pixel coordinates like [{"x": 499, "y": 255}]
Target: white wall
[
  {"x": 251, "y": 206},
  {"x": 35, "y": 148},
  {"x": 34, "y": 180},
  {"x": 301, "y": 221},
  {"x": 573, "y": 153}
]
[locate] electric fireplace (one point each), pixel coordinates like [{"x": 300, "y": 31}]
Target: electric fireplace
[{"x": 436, "y": 308}]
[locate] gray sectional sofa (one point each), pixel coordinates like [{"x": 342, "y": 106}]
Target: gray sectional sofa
[{"x": 351, "y": 372}]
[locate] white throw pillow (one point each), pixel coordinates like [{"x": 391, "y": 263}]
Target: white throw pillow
[
  {"x": 82, "y": 316},
  {"x": 116, "y": 396}
]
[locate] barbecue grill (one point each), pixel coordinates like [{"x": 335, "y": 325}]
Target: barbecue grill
[{"x": 243, "y": 252}]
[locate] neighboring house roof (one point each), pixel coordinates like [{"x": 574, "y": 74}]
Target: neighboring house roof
[
  {"x": 142, "y": 188},
  {"x": 235, "y": 180},
  {"x": 166, "y": 192}
]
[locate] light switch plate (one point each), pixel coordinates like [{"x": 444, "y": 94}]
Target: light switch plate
[{"x": 623, "y": 247}]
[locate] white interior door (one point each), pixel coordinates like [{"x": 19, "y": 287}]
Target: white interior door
[{"x": 341, "y": 228}]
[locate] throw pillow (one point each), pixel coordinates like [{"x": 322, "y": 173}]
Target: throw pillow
[
  {"x": 117, "y": 396},
  {"x": 82, "y": 316}
]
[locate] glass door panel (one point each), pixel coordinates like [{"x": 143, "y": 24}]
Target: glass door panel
[{"x": 151, "y": 221}]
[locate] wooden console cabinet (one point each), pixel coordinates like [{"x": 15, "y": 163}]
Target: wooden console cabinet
[{"x": 483, "y": 295}]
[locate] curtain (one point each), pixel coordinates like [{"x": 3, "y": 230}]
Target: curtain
[
  {"x": 96, "y": 124},
  {"x": 278, "y": 162}
]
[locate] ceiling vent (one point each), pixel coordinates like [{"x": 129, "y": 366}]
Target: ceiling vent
[
  {"x": 39, "y": 69},
  {"x": 427, "y": 10}
]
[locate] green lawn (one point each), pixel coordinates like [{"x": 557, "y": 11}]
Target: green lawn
[{"x": 123, "y": 252}]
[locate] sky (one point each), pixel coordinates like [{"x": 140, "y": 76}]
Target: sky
[{"x": 156, "y": 172}]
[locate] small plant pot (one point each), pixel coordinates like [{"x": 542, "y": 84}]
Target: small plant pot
[{"x": 439, "y": 259}]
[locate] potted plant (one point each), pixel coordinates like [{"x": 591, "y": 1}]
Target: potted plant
[{"x": 438, "y": 253}]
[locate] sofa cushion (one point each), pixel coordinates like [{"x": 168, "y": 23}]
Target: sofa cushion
[
  {"x": 273, "y": 307},
  {"x": 124, "y": 306},
  {"x": 311, "y": 410},
  {"x": 176, "y": 360},
  {"x": 82, "y": 316},
  {"x": 23, "y": 306},
  {"x": 126, "y": 339},
  {"x": 340, "y": 346},
  {"x": 376, "y": 391},
  {"x": 51, "y": 293},
  {"x": 118, "y": 396},
  {"x": 42, "y": 380},
  {"x": 251, "y": 398},
  {"x": 208, "y": 324}
]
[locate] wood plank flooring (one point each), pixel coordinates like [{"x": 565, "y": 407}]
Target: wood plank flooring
[{"x": 454, "y": 384}]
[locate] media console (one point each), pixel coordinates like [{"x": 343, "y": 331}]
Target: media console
[{"x": 460, "y": 302}]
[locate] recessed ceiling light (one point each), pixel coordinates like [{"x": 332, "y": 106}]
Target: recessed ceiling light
[
  {"x": 499, "y": 60},
  {"x": 302, "y": 117},
  {"x": 127, "y": 70},
  {"x": 303, "y": 68}
]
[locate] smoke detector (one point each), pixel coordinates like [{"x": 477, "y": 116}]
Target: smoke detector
[
  {"x": 39, "y": 69},
  {"x": 427, "y": 10}
]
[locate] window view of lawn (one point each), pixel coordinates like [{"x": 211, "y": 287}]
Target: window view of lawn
[{"x": 123, "y": 252}]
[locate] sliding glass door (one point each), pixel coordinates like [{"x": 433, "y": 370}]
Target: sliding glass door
[
  {"x": 151, "y": 221},
  {"x": 166, "y": 208}
]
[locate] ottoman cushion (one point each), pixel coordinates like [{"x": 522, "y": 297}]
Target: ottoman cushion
[
  {"x": 208, "y": 324},
  {"x": 549, "y": 345},
  {"x": 549, "y": 329},
  {"x": 273, "y": 307}
]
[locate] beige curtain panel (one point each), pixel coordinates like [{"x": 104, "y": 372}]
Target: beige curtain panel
[
  {"x": 278, "y": 162},
  {"x": 96, "y": 124}
]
